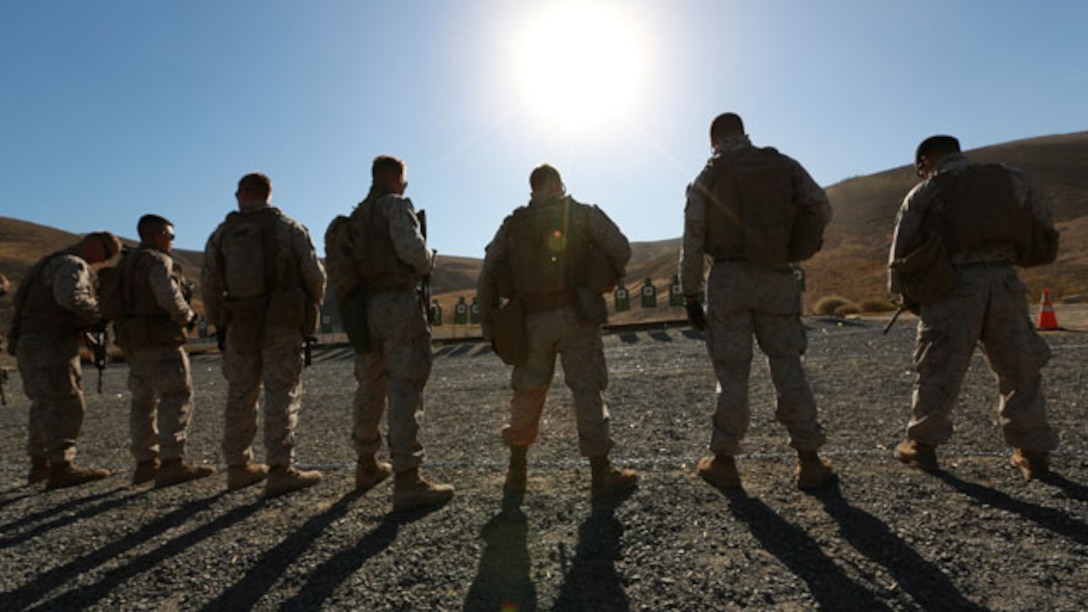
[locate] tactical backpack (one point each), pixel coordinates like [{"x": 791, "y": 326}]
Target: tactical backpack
[
  {"x": 111, "y": 287},
  {"x": 981, "y": 208},
  {"x": 339, "y": 264},
  {"x": 548, "y": 246},
  {"x": 751, "y": 213}
]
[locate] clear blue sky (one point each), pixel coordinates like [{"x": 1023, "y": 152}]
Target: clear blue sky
[{"x": 115, "y": 108}]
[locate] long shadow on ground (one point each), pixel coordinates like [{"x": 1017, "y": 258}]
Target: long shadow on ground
[
  {"x": 50, "y": 580},
  {"x": 341, "y": 566},
  {"x": 796, "y": 549},
  {"x": 244, "y": 594},
  {"x": 922, "y": 580},
  {"x": 591, "y": 581},
  {"x": 86, "y": 596},
  {"x": 56, "y": 513},
  {"x": 1055, "y": 520},
  {"x": 502, "y": 580}
]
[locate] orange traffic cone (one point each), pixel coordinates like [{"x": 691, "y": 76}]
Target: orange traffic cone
[{"x": 1047, "y": 320}]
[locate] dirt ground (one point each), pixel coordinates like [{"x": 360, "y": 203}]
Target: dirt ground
[{"x": 974, "y": 536}]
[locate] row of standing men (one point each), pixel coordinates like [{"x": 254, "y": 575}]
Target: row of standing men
[{"x": 752, "y": 210}]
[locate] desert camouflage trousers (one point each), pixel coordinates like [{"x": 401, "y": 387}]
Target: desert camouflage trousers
[
  {"x": 53, "y": 380},
  {"x": 162, "y": 402},
  {"x": 988, "y": 308},
  {"x": 278, "y": 364},
  {"x": 395, "y": 371},
  {"x": 548, "y": 334},
  {"x": 764, "y": 301}
]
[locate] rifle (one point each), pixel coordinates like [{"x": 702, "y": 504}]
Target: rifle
[
  {"x": 96, "y": 341},
  {"x": 425, "y": 284},
  {"x": 895, "y": 317}
]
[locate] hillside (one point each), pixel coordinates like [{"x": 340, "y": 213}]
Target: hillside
[{"x": 852, "y": 263}]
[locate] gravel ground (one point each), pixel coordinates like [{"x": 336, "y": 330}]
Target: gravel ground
[{"x": 974, "y": 536}]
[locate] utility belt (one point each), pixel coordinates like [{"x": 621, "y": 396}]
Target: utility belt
[
  {"x": 731, "y": 258},
  {"x": 542, "y": 301}
]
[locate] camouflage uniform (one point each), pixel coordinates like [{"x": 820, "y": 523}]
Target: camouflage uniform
[
  {"x": 47, "y": 349},
  {"x": 746, "y": 299},
  {"x": 277, "y": 359},
  {"x": 557, "y": 330},
  {"x": 398, "y": 364},
  {"x": 159, "y": 375},
  {"x": 988, "y": 306}
]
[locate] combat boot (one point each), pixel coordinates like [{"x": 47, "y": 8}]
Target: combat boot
[
  {"x": 285, "y": 479},
  {"x": 146, "y": 471},
  {"x": 369, "y": 472},
  {"x": 921, "y": 456},
  {"x": 242, "y": 476},
  {"x": 39, "y": 471},
  {"x": 609, "y": 480},
  {"x": 412, "y": 491},
  {"x": 177, "y": 471},
  {"x": 1031, "y": 465},
  {"x": 516, "y": 474},
  {"x": 720, "y": 471},
  {"x": 67, "y": 474},
  {"x": 812, "y": 472}
]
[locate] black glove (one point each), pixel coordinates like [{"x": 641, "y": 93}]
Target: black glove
[
  {"x": 221, "y": 338},
  {"x": 696, "y": 314}
]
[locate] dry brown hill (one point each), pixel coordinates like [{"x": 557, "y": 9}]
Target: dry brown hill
[{"x": 852, "y": 263}]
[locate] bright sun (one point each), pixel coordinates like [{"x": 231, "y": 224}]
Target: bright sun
[{"x": 580, "y": 65}]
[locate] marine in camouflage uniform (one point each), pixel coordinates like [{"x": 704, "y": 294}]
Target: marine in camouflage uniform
[
  {"x": 155, "y": 313},
  {"x": 55, "y": 304},
  {"x": 262, "y": 287},
  {"x": 558, "y": 321},
  {"x": 986, "y": 306},
  {"x": 740, "y": 211},
  {"x": 389, "y": 258}
]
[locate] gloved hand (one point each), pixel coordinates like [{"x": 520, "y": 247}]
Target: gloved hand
[
  {"x": 695, "y": 314},
  {"x": 191, "y": 325}
]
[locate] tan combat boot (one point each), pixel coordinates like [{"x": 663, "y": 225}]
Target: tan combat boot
[
  {"x": 39, "y": 471},
  {"x": 146, "y": 471},
  {"x": 67, "y": 474},
  {"x": 720, "y": 471},
  {"x": 1031, "y": 465},
  {"x": 516, "y": 474},
  {"x": 285, "y": 479},
  {"x": 812, "y": 472},
  {"x": 412, "y": 491},
  {"x": 369, "y": 472},
  {"x": 609, "y": 480},
  {"x": 242, "y": 476},
  {"x": 177, "y": 471},
  {"x": 921, "y": 456}
]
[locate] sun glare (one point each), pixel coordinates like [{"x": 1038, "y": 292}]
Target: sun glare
[{"x": 580, "y": 65}]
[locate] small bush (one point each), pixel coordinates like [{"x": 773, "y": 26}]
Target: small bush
[
  {"x": 847, "y": 309},
  {"x": 829, "y": 304},
  {"x": 877, "y": 306}
]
